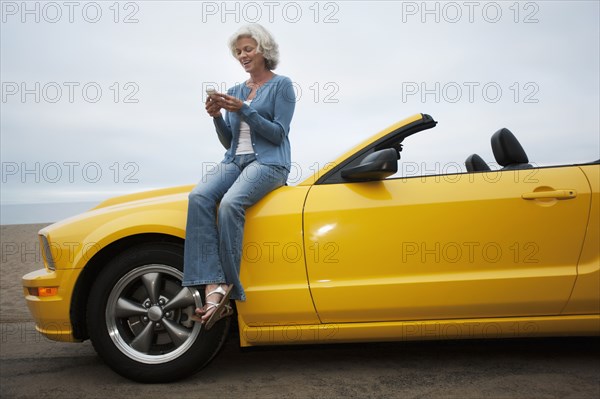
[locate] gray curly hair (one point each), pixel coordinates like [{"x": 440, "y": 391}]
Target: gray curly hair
[{"x": 266, "y": 44}]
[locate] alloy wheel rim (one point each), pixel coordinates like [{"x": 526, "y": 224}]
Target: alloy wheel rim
[{"x": 148, "y": 314}]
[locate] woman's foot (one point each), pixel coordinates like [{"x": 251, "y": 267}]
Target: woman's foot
[
  {"x": 216, "y": 305},
  {"x": 212, "y": 299}
]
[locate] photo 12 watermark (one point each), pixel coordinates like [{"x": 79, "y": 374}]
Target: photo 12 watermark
[
  {"x": 317, "y": 92},
  {"x": 454, "y": 12},
  {"x": 290, "y": 333},
  {"x": 63, "y": 252},
  {"x": 71, "y": 172},
  {"x": 69, "y": 92},
  {"x": 470, "y": 252},
  {"x": 56, "y": 12},
  {"x": 283, "y": 252},
  {"x": 298, "y": 172},
  {"x": 454, "y": 172},
  {"x": 271, "y": 11},
  {"x": 470, "y": 92},
  {"x": 468, "y": 329}
]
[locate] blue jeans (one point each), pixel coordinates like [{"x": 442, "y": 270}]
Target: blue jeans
[{"x": 214, "y": 235}]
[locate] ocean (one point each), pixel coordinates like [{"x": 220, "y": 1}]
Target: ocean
[{"x": 42, "y": 212}]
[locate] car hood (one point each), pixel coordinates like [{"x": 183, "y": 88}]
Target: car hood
[{"x": 144, "y": 196}]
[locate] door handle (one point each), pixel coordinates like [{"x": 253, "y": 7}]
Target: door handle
[{"x": 554, "y": 194}]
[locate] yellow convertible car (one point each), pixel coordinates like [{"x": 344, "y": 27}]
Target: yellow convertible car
[{"x": 352, "y": 254}]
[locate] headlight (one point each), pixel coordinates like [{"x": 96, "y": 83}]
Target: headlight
[{"x": 47, "y": 253}]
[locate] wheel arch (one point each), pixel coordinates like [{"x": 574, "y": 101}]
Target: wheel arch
[{"x": 95, "y": 265}]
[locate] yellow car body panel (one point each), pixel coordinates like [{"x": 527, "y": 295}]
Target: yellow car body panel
[
  {"x": 505, "y": 327},
  {"x": 144, "y": 195},
  {"x": 456, "y": 246},
  {"x": 273, "y": 269},
  {"x": 76, "y": 240},
  {"x": 584, "y": 299},
  {"x": 51, "y": 314},
  {"x": 315, "y": 270}
]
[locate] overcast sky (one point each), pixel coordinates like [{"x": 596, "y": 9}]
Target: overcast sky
[{"x": 100, "y": 98}]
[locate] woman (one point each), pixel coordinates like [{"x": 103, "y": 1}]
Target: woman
[{"x": 254, "y": 131}]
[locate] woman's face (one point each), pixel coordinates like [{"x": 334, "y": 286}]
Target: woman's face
[{"x": 251, "y": 60}]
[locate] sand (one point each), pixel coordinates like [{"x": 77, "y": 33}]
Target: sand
[{"x": 19, "y": 255}]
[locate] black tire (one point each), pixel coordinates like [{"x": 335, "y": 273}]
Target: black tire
[{"x": 138, "y": 328}]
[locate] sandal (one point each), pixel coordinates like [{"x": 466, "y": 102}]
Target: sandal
[
  {"x": 225, "y": 311},
  {"x": 222, "y": 309}
]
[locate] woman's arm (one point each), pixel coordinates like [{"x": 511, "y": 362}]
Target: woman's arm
[
  {"x": 285, "y": 103},
  {"x": 223, "y": 126},
  {"x": 223, "y": 131}
]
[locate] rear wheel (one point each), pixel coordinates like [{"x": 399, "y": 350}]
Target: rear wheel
[{"x": 139, "y": 317}]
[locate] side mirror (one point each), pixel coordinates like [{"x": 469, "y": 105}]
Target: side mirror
[{"x": 375, "y": 166}]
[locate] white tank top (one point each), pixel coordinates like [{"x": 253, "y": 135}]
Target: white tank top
[{"x": 245, "y": 140}]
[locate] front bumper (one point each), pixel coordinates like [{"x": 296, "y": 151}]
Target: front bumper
[{"x": 51, "y": 313}]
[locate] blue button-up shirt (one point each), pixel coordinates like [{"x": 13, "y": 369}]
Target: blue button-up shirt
[{"x": 269, "y": 116}]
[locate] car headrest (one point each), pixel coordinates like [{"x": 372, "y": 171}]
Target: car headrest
[
  {"x": 507, "y": 149},
  {"x": 475, "y": 163}
]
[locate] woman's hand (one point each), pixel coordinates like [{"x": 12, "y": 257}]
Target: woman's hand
[
  {"x": 227, "y": 102},
  {"x": 212, "y": 107}
]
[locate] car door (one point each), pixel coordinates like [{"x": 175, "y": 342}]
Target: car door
[{"x": 495, "y": 244}]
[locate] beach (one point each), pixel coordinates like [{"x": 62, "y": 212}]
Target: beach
[{"x": 20, "y": 254}]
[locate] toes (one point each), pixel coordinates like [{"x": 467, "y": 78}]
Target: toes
[
  {"x": 206, "y": 316},
  {"x": 207, "y": 313}
]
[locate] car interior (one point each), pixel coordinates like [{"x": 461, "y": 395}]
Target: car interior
[{"x": 508, "y": 153}]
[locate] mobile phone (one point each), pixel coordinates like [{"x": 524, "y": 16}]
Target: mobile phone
[{"x": 210, "y": 91}]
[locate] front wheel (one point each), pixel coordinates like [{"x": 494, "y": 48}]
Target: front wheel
[{"x": 139, "y": 317}]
